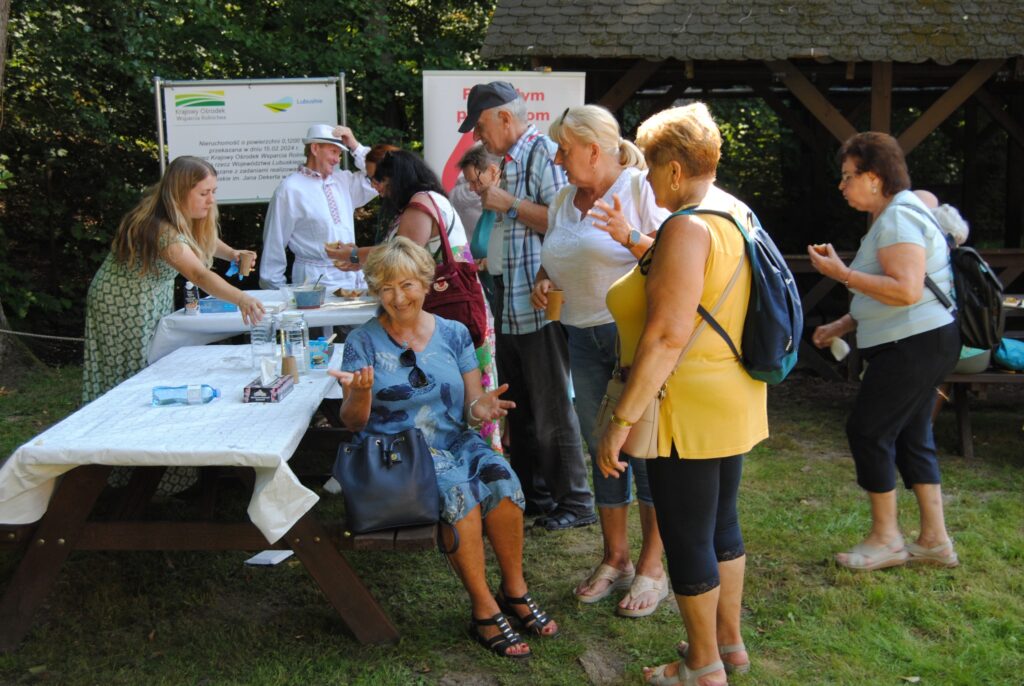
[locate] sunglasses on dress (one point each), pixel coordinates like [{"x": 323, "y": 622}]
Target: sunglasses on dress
[{"x": 417, "y": 377}]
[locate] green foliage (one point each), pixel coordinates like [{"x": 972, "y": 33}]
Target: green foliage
[{"x": 79, "y": 115}]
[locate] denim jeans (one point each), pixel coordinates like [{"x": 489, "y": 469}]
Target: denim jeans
[{"x": 592, "y": 361}]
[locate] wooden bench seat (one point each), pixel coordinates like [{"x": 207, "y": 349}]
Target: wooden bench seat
[{"x": 962, "y": 384}]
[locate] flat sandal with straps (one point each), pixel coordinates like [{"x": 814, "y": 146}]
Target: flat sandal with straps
[{"x": 534, "y": 622}]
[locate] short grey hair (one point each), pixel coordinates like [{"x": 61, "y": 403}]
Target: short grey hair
[
  {"x": 517, "y": 108},
  {"x": 478, "y": 158}
]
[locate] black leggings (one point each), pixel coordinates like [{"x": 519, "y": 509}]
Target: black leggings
[{"x": 695, "y": 501}]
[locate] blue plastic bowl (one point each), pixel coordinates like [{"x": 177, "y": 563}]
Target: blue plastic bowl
[{"x": 309, "y": 297}]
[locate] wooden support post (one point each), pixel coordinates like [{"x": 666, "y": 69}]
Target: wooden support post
[
  {"x": 881, "y": 96},
  {"x": 635, "y": 77},
  {"x": 994, "y": 106},
  {"x": 1013, "y": 229},
  {"x": 805, "y": 91},
  {"x": 948, "y": 103}
]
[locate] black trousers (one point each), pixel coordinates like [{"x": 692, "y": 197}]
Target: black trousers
[{"x": 890, "y": 428}]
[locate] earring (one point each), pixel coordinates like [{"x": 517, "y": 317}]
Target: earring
[
  {"x": 674, "y": 186},
  {"x": 874, "y": 189}
]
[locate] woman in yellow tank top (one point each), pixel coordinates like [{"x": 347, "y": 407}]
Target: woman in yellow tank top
[{"x": 713, "y": 412}]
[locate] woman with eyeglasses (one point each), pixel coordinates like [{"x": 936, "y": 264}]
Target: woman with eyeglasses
[
  {"x": 910, "y": 342},
  {"x": 408, "y": 368}
]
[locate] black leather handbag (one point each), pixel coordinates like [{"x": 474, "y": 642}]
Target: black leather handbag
[{"x": 388, "y": 482}]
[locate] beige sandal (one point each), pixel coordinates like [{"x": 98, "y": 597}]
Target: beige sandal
[
  {"x": 642, "y": 584},
  {"x": 730, "y": 667},
  {"x": 684, "y": 677},
  {"x": 867, "y": 558},
  {"x": 617, "y": 579},
  {"x": 942, "y": 555}
]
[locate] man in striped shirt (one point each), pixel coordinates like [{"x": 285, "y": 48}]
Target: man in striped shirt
[{"x": 532, "y": 353}]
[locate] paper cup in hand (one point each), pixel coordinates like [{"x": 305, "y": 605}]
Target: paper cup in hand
[
  {"x": 245, "y": 262},
  {"x": 554, "y": 309},
  {"x": 840, "y": 349}
]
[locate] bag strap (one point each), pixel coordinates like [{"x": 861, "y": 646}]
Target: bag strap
[
  {"x": 529, "y": 163},
  {"x": 928, "y": 280},
  {"x": 442, "y": 233},
  {"x": 709, "y": 317}
]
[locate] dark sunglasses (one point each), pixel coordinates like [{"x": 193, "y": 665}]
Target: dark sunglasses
[{"x": 417, "y": 377}]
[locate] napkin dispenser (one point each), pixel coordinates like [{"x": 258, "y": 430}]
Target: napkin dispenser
[{"x": 258, "y": 392}]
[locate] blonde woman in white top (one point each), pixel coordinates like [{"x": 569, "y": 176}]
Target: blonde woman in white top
[{"x": 597, "y": 229}]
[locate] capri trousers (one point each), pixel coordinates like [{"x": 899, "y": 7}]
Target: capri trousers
[
  {"x": 592, "y": 360},
  {"x": 890, "y": 427},
  {"x": 695, "y": 501}
]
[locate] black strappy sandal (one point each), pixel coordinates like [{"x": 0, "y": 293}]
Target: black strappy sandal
[
  {"x": 500, "y": 643},
  {"x": 533, "y": 622}
]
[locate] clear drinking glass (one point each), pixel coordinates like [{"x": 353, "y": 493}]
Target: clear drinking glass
[{"x": 262, "y": 340}]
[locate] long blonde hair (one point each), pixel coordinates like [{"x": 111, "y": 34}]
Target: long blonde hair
[
  {"x": 594, "y": 124},
  {"x": 163, "y": 208}
]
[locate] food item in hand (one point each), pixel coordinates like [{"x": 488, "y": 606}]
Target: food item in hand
[{"x": 820, "y": 248}]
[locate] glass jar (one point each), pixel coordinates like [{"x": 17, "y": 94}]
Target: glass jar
[
  {"x": 296, "y": 339},
  {"x": 263, "y": 339}
]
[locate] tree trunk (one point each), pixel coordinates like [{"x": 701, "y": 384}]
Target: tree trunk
[{"x": 5, "y": 16}]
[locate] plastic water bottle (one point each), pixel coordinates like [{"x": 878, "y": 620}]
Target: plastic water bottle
[
  {"x": 193, "y": 394},
  {"x": 296, "y": 338},
  {"x": 191, "y": 298}
]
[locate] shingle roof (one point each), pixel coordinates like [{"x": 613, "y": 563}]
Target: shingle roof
[{"x": 944, "y": 31}]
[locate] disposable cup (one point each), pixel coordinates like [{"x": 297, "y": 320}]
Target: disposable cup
[
  {"x": 554, "y": 309},
  {"x": 245, "y": 262}
]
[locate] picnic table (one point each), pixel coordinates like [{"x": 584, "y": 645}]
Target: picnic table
[
  {"x": 179, "y": 329},
  {"x": 52, "y": 483}
]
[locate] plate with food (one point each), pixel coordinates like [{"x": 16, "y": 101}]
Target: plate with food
[{"x": 350, "y": 293}]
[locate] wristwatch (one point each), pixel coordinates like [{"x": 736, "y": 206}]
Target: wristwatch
[
  {"x": 633, "y": 238},
  {"x": 354, "y": 257},
  {"x": 513, "y": 211}
]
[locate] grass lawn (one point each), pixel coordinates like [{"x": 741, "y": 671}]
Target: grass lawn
[{"x": 205, "y": 618}]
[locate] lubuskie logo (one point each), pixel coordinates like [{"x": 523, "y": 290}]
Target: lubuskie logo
[
  {"x": 199, "y": 99},
  {"x": 281, "y": 105}
]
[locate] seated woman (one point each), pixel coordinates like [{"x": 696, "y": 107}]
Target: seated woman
[{"x": 408, "y": 368}]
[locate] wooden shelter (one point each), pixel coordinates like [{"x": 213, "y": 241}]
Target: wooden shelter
[{"x": 826, "y": 68}]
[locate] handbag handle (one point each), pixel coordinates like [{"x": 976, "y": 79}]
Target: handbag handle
[{"x": 442, "y": 232}]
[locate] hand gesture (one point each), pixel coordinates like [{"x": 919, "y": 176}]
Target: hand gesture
[
  {"x": 539, "y": 296},
  {"x": 827, "y": 262},
  {"x": 610, "y": 218},
  {"x": 346, "y": 136},
  {"x": 359, "y": 380},
  {"x": 251, "y": 309},
  {"x": 494, "y": 198},
  {"x": 489, "y": 407},
  {"x": 608, "y": 449}
]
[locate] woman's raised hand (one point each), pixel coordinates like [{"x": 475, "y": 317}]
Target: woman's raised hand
[
  {"x": 360, "y": 379},
  {"x": 827, "y": 262},
  {"x": 539, "y": 296},
  {"x": 610, "y": 218},
  {"x": 490, "y": 407},
  {"x": 251, "y": 309}
]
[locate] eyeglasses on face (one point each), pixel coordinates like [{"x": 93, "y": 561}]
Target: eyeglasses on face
[
  {"x": 846, "y": 178},
  {"x": 417, "y": 377}
]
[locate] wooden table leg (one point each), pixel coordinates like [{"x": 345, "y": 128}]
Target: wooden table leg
[
  {"x": 53, "y": 540},
  {"x": 963, "y": 419},
  {"x": 357, "y": 607}
]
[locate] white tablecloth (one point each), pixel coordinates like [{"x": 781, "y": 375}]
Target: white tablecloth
[
  {"x": 179, "y": 329},
  {"x": 122, "y": 428}
]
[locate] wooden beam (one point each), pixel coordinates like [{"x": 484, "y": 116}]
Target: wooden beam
[
  {"x": 812, "y": 99},
  {"x": 635, "y": 77},
  {"x": 881, "y": 96},
  {"x": 948, "y": 103},
  {"x": 994, "y": 106},
  {"x": 788, "y": 117}
]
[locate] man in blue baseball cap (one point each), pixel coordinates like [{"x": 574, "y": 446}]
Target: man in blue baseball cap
[{"x": 532, "y": 352}]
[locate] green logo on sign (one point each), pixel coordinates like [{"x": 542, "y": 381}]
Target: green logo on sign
[
  {"x": 199, "y": 99},
  {"x": 281, "y": 105}
]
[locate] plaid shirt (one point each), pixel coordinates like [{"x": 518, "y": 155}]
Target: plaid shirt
[{"x": 522, "y": 244}]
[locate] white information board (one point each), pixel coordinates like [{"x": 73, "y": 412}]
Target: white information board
[
  {"x": 444, "y": 108},
  {"x": 250, "y": 131}
]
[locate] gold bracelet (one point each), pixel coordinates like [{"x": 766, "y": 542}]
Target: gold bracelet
[{"x": 616, "y": 419}]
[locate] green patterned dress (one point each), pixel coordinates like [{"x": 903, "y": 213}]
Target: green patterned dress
[{"x": 123, "y": 308}]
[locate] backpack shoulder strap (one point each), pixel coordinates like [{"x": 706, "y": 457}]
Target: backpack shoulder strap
[
  {"x": 942, "y": 297},
  {"x": 529, "y": 163}
]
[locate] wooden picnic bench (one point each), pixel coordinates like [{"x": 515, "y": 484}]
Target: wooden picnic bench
[{"x": 962, "y": 385}]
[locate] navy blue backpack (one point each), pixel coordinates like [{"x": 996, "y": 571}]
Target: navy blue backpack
[{"x": 775, "y": 318}]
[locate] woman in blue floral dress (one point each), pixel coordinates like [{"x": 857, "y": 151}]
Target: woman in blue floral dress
[{"x": 408, "y": 368}]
